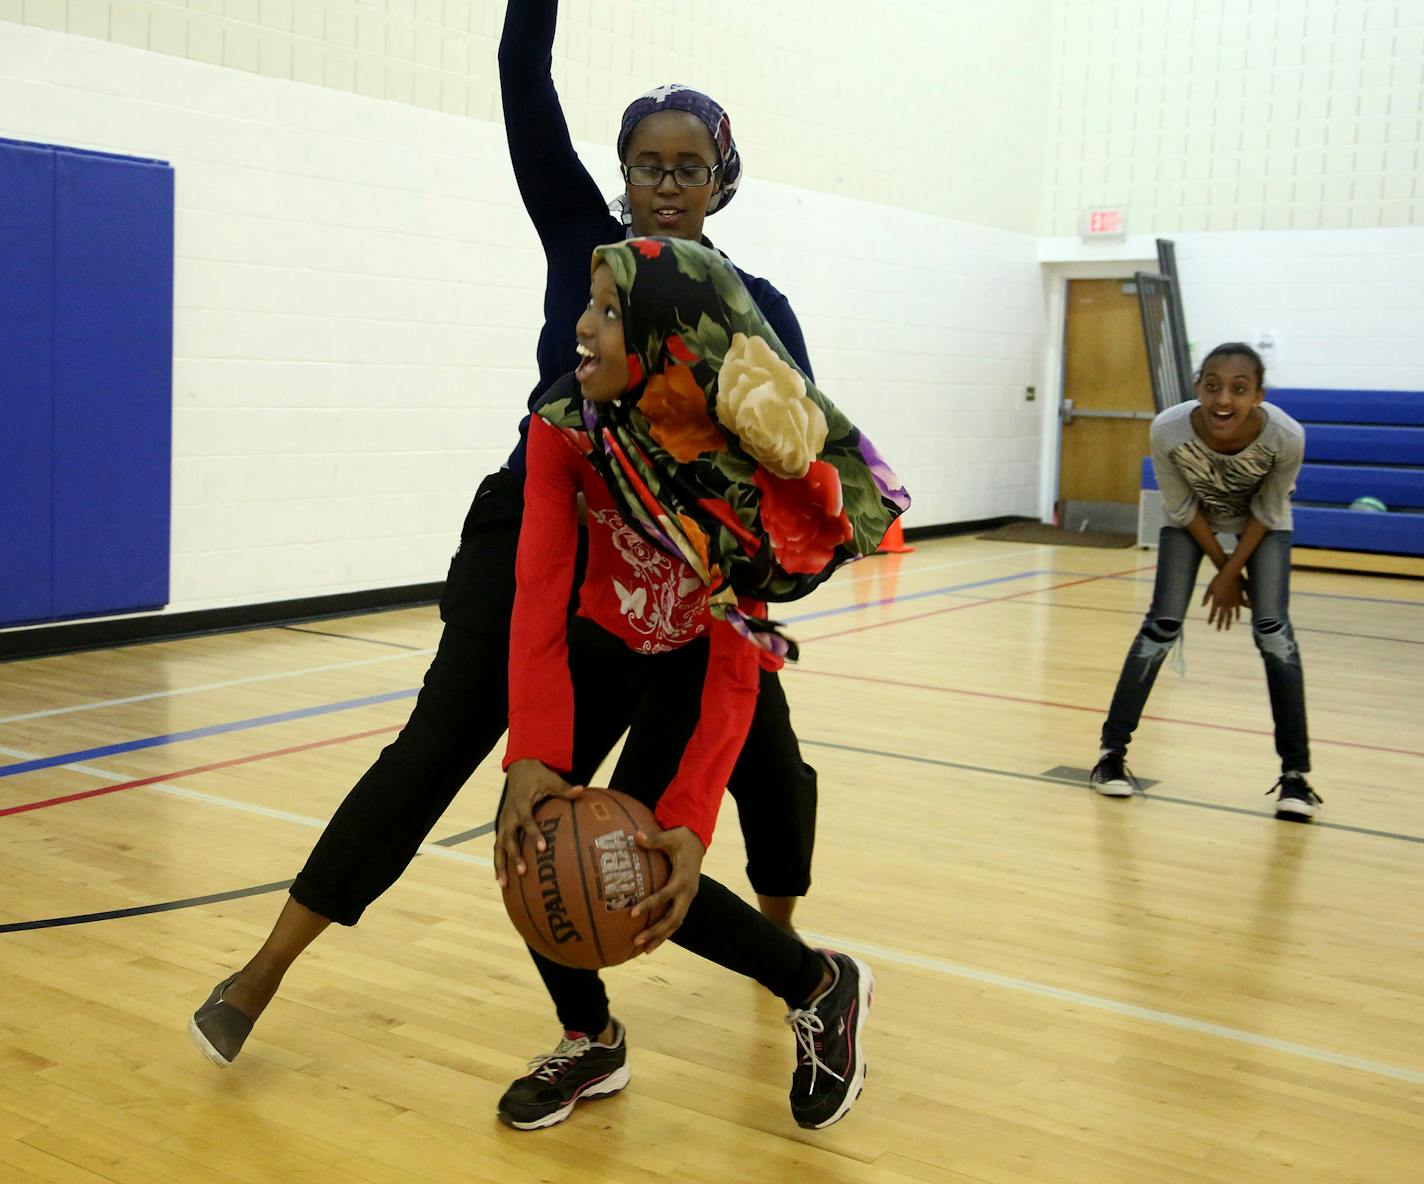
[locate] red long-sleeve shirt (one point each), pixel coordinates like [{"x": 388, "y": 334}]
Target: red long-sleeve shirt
[{"x": 637, "y": 592}]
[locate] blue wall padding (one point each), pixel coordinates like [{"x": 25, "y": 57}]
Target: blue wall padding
[
  {"x": 1352, "y": 530},
  {"x": 1365, "y": 445},
  {"x": 1342, "y": 484},
  {"x": 1388, "y": 464},
  {"x": 1313, "y": 405},
  {"x": 26, "y": 409},
  {"x": 86, "y": 341},
  {"x": 113, "y": 378},
  {"x": 1397, "y": 488}
]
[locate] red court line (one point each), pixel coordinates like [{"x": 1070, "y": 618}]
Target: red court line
[
  {"x": 1161, "y": 719},
  {"x": 1190, "y": 723},
  {"x": 954, "y": 608},
  {"x": 240, "y": 760}
]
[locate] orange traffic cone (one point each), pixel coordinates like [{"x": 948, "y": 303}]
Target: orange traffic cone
[{"x": 894, "y": 541}]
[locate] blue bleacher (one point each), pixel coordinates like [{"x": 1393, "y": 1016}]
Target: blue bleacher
[
  {"x": 1358, "y": 443},
  {"x": 1313, "y": 405},
  {"x": 1363, "y": 445}
]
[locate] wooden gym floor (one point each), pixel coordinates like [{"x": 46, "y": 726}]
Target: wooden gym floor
[{"x": 1175, "y": 988}]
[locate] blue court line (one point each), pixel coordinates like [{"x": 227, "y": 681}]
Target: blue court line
[
  {"x": 69, "y": 758},
  {"x": 855, "y": 608},
  {"x": 1295, "y": 592},
  {"x": 241, "y": 725},
  {"x": 1079, "y": 786}
]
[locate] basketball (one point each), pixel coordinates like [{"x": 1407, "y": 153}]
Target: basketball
[{"x": 574, "y": 904}]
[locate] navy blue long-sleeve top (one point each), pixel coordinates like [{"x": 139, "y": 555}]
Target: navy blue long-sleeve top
[{"x": 569, "y": 214}]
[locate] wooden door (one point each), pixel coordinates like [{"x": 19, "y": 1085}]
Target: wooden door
[{"x": 1107, "y": 393}]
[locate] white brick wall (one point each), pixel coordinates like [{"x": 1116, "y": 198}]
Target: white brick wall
[
  {"x": 1343, "y": 308},
  {"x": 357, "y": 300},
  {"x": 358, "y": 288},
  {"x": 1204, "y": 115},
  {"x": 812, "y": 106}
]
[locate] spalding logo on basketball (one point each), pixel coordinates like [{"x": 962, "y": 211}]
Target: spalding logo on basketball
[{"x": 574, "y": 903}]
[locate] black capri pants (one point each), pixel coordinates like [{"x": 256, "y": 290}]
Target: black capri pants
[
  {"x": 657, "y": 698},
  {"x": 463, "y": 710}
]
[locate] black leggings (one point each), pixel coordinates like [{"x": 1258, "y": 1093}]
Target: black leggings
[
  {"x": 463, "y": 710},
  {"x": 657, "y": 698}
]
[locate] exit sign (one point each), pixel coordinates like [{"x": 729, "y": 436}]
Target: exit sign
[{"x": 1110, "y": 222}]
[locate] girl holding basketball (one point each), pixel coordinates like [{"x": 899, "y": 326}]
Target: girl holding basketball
[
  {"x": 680, "y": 165},
  {"x": 715, "y": 477},
  {"x": 1226, "y": 464}
]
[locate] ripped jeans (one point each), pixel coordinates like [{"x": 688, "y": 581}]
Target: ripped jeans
[{"x": 1268, "y": 576}]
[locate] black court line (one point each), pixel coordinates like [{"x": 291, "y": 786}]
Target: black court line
[
  {"x": 352, "y": 637},
  {"x": 1075, "y": 776},
  {"x": 1081, "y": 787},
  {"x": 192, "y": 902},
  {"x": 465, "y": 835},
  {"x": 143, "y": 910},
  {"x": 1075, "y": 783}
]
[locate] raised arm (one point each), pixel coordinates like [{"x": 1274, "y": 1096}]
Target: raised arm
[{"x": 553, "y": 183}]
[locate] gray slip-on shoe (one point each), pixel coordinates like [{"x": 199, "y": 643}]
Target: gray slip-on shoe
[{"x": 218, "y": 1028}]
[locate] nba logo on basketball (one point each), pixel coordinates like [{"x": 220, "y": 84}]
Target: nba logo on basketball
[{"x": 620, "y": 872}]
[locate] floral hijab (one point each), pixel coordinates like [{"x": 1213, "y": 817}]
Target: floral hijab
[{"x": 723, "y": 453}]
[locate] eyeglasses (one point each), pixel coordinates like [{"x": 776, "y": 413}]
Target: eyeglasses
[{"x": 687, "y": 176}]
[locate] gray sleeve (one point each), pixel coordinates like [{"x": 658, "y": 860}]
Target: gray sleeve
[
  {"x": 1179, "y": 503},
  {"x": 1270, "y": 505}
]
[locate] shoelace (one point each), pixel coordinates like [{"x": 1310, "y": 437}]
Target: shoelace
[
  {"x": 1310, "y": 794},
  {"x": 808, "y": 1026},
  {"x": 1126, "y": 772},
  {"x": 551, "y": 1064}
]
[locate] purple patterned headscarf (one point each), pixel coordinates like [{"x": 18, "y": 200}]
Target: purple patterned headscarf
[{"x": 673, "y": 96}]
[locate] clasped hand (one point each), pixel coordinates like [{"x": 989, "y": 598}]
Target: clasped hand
[{"x": 1227, "y": 594}]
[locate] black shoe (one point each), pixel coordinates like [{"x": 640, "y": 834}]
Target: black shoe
[
  {"x": 1296, "y": 801},
  {"x": 218, "y": 1028},
  {"x": 1111, "y": 778},
  {"x": 560, "y": 1080},
  {"x": 830, "y": 1070}
]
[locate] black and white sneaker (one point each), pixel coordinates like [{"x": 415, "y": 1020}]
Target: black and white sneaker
[
  {"x": 830, "y": 1069},
  {"x": 560, "y": 1080},
  {"x": 1111, "y": 778},
  {"x": 1295, "y": 801}
]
